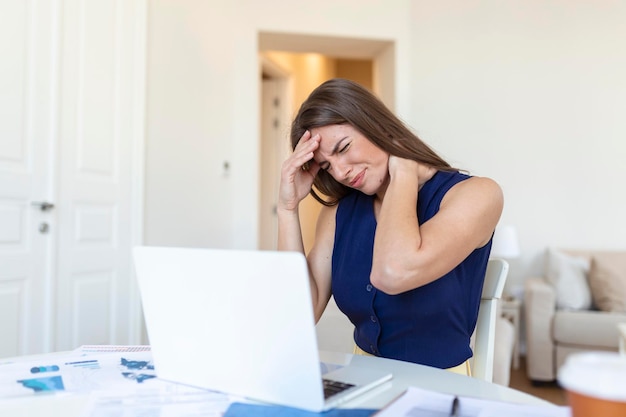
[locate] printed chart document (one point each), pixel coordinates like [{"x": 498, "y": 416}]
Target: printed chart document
[
  {"x": 76, "y": 372},
  {"x": 113, "y": 381},
  {"x": 417, "y": 402}
]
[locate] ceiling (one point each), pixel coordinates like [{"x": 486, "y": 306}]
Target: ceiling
[{"x": 356, "y": 48}]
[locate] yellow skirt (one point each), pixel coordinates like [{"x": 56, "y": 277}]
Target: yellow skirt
[{"x": 463, "y": 369}]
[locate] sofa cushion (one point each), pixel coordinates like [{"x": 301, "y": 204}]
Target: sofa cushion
[
  {"x": 607, "y": 280},
  {"x": 587, "y": 328},
  {"x": 568, "y": 275}
]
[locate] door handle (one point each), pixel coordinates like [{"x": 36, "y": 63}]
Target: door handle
[{"x": 43, "y": 205}]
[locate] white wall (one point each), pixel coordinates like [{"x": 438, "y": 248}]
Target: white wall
[
  {"x": 190, "y": 124},
  {"x": 533, "y": 94},
  {"x": 529, "y": 92},
  {"x": 203, "y": 105}
]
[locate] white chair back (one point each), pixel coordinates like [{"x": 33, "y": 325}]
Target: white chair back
[{"x": 484, "y": 334}]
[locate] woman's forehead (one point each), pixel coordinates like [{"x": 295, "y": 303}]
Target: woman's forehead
[
  {"x": 329, "y": 137},
  {"x": 333, "y": 133}
]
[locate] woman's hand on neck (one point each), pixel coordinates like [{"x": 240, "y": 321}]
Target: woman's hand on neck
[{"x": 401, "y": 167}]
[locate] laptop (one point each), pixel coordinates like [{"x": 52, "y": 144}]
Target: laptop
[{"x": 240, "y": 322}]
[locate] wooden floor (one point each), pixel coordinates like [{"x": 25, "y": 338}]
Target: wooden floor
[{"x": 549, "y": 391}]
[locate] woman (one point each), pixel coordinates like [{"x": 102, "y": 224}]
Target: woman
[{"x": 402, "y": 240}]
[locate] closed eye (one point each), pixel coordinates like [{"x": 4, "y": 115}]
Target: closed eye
[{"x": 345, "y": 145}]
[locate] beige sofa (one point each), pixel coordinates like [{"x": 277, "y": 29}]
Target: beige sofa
[{"x": 575, "y": 306}]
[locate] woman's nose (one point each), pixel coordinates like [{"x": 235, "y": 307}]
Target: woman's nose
[{"x": 342, "y": 171}]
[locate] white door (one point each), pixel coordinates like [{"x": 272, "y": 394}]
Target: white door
[
  {"x": 274, "y": 147},
  {"x": 67, "y": 137},
  {"x": 271, "y": 136},
  {"x": 94, "y": 281},
  {"x": 26, "y": 133}
]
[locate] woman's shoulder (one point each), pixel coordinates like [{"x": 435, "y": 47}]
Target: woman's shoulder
[
  {"x": 477, "y": 189},
  {"x": 326, "y": 217},
  {"x": 459, "y": 179},
  {"x": 441, "y": 182},
  {"x": 481, "y": 183}
]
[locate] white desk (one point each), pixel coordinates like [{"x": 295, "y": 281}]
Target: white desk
[
  {"x": 404, "y": 375},
  {"x": 407, "y": 374}
]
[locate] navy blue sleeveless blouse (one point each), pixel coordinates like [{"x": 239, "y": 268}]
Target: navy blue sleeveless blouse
[{"x": 430, "y": 325}]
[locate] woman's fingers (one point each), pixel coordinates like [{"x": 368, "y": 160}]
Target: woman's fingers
[
  {"x": 305, "y": 148},
  {"x": 302, "y": 155},
  {"x": 299, "y": 171}
]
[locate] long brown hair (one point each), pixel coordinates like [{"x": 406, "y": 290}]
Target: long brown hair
[{"x": 340, "y": 101}]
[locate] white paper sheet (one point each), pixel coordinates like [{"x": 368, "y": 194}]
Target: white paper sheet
[
  {"x": 417, "y": 402},
  {"x": 176, "y": 402}
]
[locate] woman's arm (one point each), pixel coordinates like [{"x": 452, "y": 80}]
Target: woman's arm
[
  {"x": 408, "y": 255},
  {"x": 320, "y": 260},
  {"x": 320, "y": 256},
  {"x": 295, "y": 184}
]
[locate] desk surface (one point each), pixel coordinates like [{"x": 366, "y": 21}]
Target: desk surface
[
  {"x": 404, "y": 375},
  {"x": 407, "y": 374}
]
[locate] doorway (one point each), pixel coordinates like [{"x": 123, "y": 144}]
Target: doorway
[
  {"x": 291, "y": 67},
  {"x": 297, "y": 64}
]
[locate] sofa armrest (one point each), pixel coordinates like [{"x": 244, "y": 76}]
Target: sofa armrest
[{"x": 539, "y": 309}]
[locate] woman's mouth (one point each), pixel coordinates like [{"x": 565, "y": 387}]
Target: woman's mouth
[{"x": 358, "y": 180}]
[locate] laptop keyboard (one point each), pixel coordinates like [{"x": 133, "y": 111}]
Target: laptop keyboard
[{"x": 334, "y": 387}]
